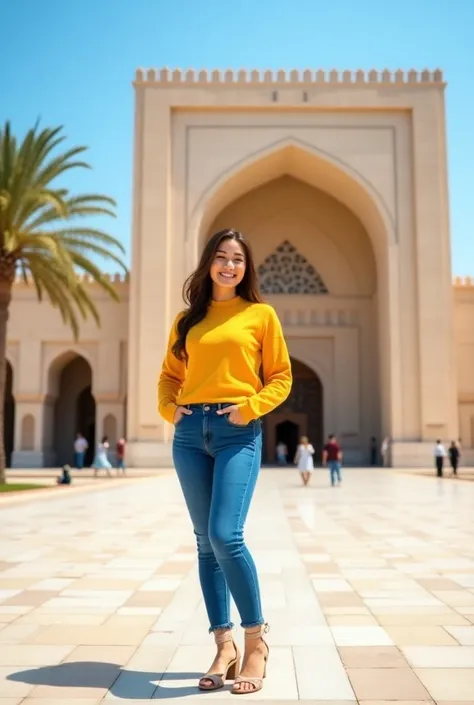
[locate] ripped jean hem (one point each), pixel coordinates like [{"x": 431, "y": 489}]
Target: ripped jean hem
[
  {"x": 253, "y": 624},
  {"x": 229, "y": 625}
]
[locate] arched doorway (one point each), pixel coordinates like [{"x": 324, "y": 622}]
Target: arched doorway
[
  {"x": 74, "y": 409},
  {"x": 300, "y": 415},
  {"x": 8, "y": 415}
]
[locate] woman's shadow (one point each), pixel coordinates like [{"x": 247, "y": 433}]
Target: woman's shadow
[{"x": 122, "y": 683}]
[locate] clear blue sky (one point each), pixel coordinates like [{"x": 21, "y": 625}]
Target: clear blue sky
[{"x": 71, "y": 62}]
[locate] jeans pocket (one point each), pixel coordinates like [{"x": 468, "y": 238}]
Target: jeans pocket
[{"x": 237, "y": 425}]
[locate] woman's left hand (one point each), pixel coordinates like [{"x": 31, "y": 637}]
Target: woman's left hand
[{"x": 235, "y": 416}]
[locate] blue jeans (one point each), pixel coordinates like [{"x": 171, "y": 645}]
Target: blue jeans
[
  {"x": 335, "y": 470},
  {"x": 217, "y": 464},
  {"x": 79, "y": 459}
]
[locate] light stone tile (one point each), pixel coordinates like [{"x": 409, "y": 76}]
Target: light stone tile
[
  {"x": 439, "y": 656},
  {"x": 52, "y": 584},
  {"x": 139, "y": 611},
  {"x": 402, "y": 620},
  {"x": 455, "y": 597},
  {"x": 442, "y": 686},
  {"x": 424, "y": 635},
  {"x": 6, "y": 594},
  {"x": 321, "y": 675},
  {"x": 46, "y": 619},
  {"x": 7, "y": 618},
  {"x": 17, "y": 633},
  {"x": 157, "y": 584},
  {"x": 361, "y": 636},
  {"x": 32, "y": 655},
  {"x": 328, "y": 585},
  {"x": 463, "y": 635}
]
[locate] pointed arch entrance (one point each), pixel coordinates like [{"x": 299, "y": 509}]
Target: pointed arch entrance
[
  {"x": 300, "y": 415},
  {"x": 72, "y": 407},
  {"x": 354, "y": 251}
]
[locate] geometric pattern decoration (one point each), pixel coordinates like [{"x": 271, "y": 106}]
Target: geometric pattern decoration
[{"x": 286, "y": 271}]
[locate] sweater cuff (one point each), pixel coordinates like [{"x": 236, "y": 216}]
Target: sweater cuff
[
  {"x": 168, "y": 412},
  {"x": 246, "y": 411}
]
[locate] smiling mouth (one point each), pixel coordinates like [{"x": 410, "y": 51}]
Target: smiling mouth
[{"x": 227, "y": 275}]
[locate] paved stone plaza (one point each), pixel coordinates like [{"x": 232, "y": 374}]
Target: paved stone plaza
[{"x": 369, "y": 590}]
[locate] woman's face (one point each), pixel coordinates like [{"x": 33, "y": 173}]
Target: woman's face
[{"x": 228, "y": 267}]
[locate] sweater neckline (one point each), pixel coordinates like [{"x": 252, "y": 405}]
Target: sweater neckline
[{"x": 229, "y": 303}]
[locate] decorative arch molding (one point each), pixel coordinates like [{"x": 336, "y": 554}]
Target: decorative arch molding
[
  {"x": 287, "y": 271},
  {"x": 56, "y": 360},
  {"x": 307, "y": 163}
]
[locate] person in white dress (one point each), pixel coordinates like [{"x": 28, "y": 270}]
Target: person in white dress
[
  {"x": 304, "y": 459},
  {"x": 101, "y": 460}
]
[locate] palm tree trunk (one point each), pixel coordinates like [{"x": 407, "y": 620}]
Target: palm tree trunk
[{"x": 5, "y": 298}]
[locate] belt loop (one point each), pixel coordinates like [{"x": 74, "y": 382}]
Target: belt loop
[{"x": 219, "y": 406}]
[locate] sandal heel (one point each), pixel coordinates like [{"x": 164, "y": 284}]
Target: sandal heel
[{"x": 234, "y": 670}]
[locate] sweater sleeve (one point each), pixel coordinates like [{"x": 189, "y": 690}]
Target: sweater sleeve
[
  {"x": 276, "y": 366},
  {"x": 173, "y": 372}
]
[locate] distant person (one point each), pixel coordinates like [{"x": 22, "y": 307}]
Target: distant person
[
  {"x": 304, "y": 459},
  {"x": 101, "y": 460},
  {"x": 373, "y": 451},
  {"x": 282, "y": 453},
  {"x": 384, "y": 451},
  {"x": 120, "y": 455},
  {"x": 65, "y": 478},
  {"x": 439, "y": 453},
  {"x": 80, "y": 447},
  {"x": 332, "y": 457},
  {"x": 454, "y": 457}
]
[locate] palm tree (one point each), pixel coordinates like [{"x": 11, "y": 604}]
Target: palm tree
[{"x": 42, "y": 238}]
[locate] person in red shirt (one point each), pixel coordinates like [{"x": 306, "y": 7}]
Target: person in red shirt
[
  {"x": 120, "y": 455},
  {"x": 332, "y": 457}
]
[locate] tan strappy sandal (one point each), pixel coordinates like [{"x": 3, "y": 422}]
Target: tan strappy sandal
[
  {"x": 232, "y": 670},
  {"x": 256, "y": 683}
]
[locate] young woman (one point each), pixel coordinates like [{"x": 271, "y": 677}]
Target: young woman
[
  {"x": 304, "y": 459},
  {"x": 211, "y": 390}
]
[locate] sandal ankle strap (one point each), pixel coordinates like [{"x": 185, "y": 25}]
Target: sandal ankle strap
[
  {"x": 264, "y": 629},
  {"x": 223, "y": 637}
]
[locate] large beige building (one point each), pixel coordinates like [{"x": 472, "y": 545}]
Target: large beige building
[{"x": 340, "y": 182}]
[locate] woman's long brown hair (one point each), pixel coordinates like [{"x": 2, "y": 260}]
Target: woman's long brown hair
[{"x": 197, "y": 289}]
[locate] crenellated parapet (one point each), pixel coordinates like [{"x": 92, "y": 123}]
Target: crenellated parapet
[
  {"x": 307, "y": 77},
  {"x": 465, "y": 282},
  {"x": 117, "y": 278}
]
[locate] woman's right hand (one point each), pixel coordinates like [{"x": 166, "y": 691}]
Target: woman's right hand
[{"x": 179, "y": 413}]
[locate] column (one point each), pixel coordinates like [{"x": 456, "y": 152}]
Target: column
[
  {"x": 149, "y": 300},
  {"x": 435, "y": 305}
]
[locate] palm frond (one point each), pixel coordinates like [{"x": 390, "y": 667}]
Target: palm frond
[{"x": 38, "y": 223}]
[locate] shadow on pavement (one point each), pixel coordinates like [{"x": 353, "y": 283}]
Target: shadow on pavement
[{"x": 122, "y": 683}]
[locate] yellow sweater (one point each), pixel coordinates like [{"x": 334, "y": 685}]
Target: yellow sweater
[{"x": 225, "y": 353}]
